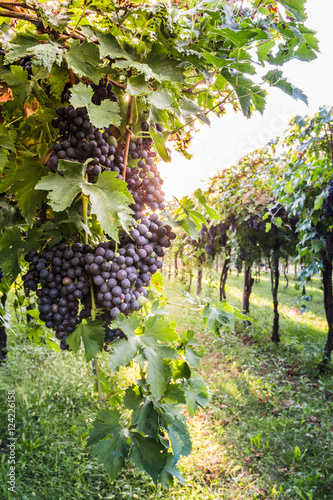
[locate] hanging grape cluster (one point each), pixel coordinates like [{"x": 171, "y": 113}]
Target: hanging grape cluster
[
  {"x": 214, "y": 237},
  {"x": 328, "y": 202},
  {"x": 67, "y": 278}
]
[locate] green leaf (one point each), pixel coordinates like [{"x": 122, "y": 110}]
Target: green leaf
[
  {"x": 110, "y": 452},
  {"x": 110, "y": 200},
  {"x": 296, "y": 7},
  {"x": 160, "y": 329},
  {"x": 239, "y": 37},
  {"x": 202, "y": 200},
  {"x": 21, "y": 44},
  {"x": 190, "y": 109},
  {"x": 305, "y": 53},
  {"x": 160, "y": 139},
  {"x": 62, "y": 190},
  {"x": 107, "y": 422},
  {"x": 83, "y": 58},
  {"x": 263, "y": 49},
  {"x": 150, "y": 344},
  {"x": 170, "y": 471},
  {"x": 180, "y": 438},
  {"x": 318, "y": 203},
  {"x": 58, "y": 80},
  {"x": 132, "y": 398},
  {"x": 19, "y": 83},
  {"x": 275, "y": 78},
  {"x": 109, "y": 196},
  {"x": 6, "y": 140},
  {"x": 137, "y": 85},
  {"x": 101, "y": 116},
  {"x": 217, "y": 316},
  {"x": 21, "y": 179},
  {"x": 173, "y": 395},
  {"x": 109, "y": 46},
  {"x": 122, "y": 353},
  {"x": 161, "y": 98},
  {"x": 45, "y": 55},
  {"x": 92, "y": 335},
  {"x": 148, "y": 455},
  {"x": 145, "y": 419},
  {"x": 196, "y": 394},
  {"x": 11, "y": 247}
]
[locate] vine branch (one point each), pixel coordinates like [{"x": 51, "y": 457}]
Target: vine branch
[{"x": 128, "y": 133}]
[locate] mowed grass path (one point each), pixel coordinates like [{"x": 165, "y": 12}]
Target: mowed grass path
[{"x": 267, "y": 433}]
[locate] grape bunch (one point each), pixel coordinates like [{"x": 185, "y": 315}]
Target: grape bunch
[
  {"x": 328, "y": 202},
  {"x": 112, "y": 334},
  {"x": 2, "y": 52},
  {"x": 114, "y": 276},
  {"x": 120, "y": 275},
  {"x": 58, "y": 271},
  {"x": 25, "y": 63},
  {"x": 214, "y": 237},
  {"x": 1, "y": 275}
]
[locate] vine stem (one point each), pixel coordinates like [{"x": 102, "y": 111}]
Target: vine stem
[
  {"x": 128, "y": 133},
  {"x": 99, "y": 388},
  {"x": 18, "y": 15}
]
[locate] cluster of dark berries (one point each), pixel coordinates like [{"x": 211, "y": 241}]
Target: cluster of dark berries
[
  {"x": 112, "y": 334},
  {"x": 25, "y": 63},
  {"x": 56, "y": 275},
  {"x": 328, "y": 202}
]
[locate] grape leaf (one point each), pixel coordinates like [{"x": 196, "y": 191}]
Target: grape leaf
[
  {"x": 18, "y": 81},
  {"x": 82, "y": 58},
  {"x": 275, "y": 78},
  {"x": 109, "y": 196},
  {"x": 11, "y": 247},
  {"x": 190, "y": 109},
  {"x": 196, "y": 394},
  {"x": 109, "y": 46},
  {"x": 160, "y": 329},
  {"x": 296, "y": 7},
  {"x": 170, "y": 471},
  {"x": 58, "y": 80},
  {"x": 173, "y": 395},
  {"x": 180, "y": 437},
  {"x": 6, "y": 139},
  {"x": 113, "y": 451},
  {"x": 161, "y": 98},
  {"x": 132, "y": 398},
  {"x": 100, "y": 116},
  {"x": 107, "y": 422},
  {"x": 92, "y": 335},
  {"x": 110, "y": 200},
  {"x": 202, "y": 200},
  {"x": 148, "y": 455},
  {"x": 150, "y": 346},
  {"x": 62, "y": 190},
  {"x": 21, "y": 44},
  {"x": 21, "y": 179},
  {"x": 160, "y": 139},
  {"x": 137, "y": 85},
  {"x": 45, "y": 55},
  {"x": 145, "y": 419}
]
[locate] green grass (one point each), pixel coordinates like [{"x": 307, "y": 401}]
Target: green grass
[{"x": 266, "y": 434}]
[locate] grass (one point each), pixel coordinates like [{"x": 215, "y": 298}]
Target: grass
[{"x": 267, "y": 433}]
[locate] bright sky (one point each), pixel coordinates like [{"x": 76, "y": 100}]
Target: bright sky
[{"x": 231, "y": 137}]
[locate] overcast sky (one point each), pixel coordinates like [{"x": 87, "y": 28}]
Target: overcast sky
[{"x": 231, "y": 137}]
